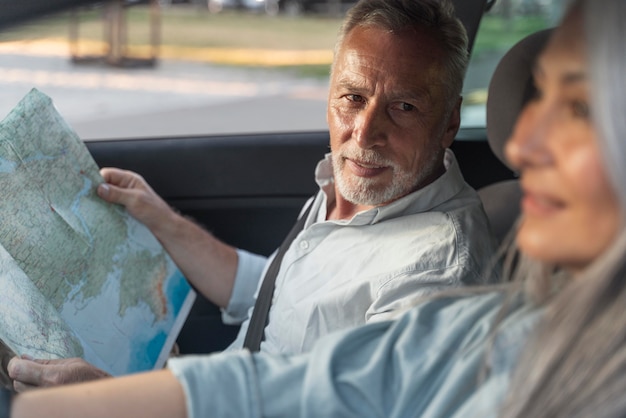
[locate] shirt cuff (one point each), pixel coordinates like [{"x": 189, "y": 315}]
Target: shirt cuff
[
  {"x": 250, "y": 268},
  {"x": 240, "y": 384},
  {"x": 219, "y": 383}
]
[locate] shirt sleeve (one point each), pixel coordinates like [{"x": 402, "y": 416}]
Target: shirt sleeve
[
  {"x": 250, "y": 268},
  {"x": 403, "y": 291},
  {"x": 424, "y": 364}
]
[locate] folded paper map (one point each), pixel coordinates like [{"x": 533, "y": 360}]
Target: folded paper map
[{"x": 79, "y": 277}]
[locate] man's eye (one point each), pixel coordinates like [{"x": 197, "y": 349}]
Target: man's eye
[
  {"x": 407, "y": 107},
  {"x": 355, "y": 98}
]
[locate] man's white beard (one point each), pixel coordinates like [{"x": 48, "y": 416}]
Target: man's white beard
[{"x": 369, "y": 191}]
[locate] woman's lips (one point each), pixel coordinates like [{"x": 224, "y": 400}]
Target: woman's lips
[
  {"x": 538, "y": 204},
  {"x": 362, "y": 169}
]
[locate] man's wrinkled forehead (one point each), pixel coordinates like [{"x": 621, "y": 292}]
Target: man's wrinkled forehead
[{"x": 411, "y": 56}]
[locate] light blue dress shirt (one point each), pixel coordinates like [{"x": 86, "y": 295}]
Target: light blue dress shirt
[
  {"x": 340, "y": 274},
  {"x": 438, "y": 360}
]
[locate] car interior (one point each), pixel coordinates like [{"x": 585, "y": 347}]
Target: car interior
[{"x": 248, "y": 189}]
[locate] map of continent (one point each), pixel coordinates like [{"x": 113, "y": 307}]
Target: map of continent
[{"x": 113, "y": 293}]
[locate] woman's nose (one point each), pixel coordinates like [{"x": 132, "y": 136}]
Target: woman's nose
[{"x": 527, "y": 144}]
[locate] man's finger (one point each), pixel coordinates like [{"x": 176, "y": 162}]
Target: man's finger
[
  {"x": 20, "y": 387},
  {"x": 119, "y": 177},
  {"x": 25, "y": 371},
  {"x": 114, "y": 194},
  {"x": 112, "y": 175}
]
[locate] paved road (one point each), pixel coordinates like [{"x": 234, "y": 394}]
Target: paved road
[
  {"x": 179, "y": 97},
  {"x": 173, "y": 98}
]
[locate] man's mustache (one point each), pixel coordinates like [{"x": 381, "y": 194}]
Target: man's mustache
[{"x": 366, "y": 156}]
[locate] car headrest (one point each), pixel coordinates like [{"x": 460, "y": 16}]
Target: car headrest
[{"x": 510, "y": 88}]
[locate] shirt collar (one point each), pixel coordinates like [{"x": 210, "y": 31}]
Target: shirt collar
[{"x": 425, "y": 199}]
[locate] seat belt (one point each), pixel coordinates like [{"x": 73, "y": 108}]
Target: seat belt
[{"x": 259, "y": 319}]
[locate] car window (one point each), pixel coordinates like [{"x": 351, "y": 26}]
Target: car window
[
  {"x": 178, "y": 68},
  {"x": 500, "y": 28}
]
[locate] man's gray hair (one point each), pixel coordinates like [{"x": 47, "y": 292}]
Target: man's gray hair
[{"x": 438, "y": 16}]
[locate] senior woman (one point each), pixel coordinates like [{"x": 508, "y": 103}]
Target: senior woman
[{"x": 552, "y": 343}]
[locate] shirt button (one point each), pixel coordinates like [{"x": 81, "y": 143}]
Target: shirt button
[{"x": 304, "y": 244}]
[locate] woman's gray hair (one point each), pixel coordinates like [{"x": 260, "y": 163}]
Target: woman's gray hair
[
  {"x": 575, "y": 363},
  {"x": 438, "y": 16},
  {"x": 606, "y": 31}
]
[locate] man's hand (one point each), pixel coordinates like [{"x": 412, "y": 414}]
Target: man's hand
[
  {"x": 131, "y": 190},
  {"x": 209, "y": 264},
  {"x": 31, "y": 374}
]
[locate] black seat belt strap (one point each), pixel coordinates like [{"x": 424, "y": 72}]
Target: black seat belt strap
[{"x": 258, "y": 321}]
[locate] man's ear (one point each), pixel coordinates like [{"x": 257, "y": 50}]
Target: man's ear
[{"x": 452, "y": 127}]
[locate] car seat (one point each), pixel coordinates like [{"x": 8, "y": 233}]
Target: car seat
[{"x": 510, "y": 88}]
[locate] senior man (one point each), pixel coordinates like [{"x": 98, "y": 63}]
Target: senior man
[{"x": 393, "y": 219}]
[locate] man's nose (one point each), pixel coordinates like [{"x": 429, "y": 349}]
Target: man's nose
[{"x": 370, "y": 128}]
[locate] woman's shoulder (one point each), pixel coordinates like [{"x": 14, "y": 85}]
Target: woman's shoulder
[{"x": 471, "y": 316}]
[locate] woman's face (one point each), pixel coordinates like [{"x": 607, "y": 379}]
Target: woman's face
[{"x": 570, "y": 213}]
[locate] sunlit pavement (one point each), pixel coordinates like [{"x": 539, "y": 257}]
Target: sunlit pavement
[
  {"x": 197, "y": 92},
  {"x": 182, "y": 96}
]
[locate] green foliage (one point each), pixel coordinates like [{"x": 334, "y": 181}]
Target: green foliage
[
  {"x": 194, "y": 28},
  {"x": 499, "y": 34}
]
